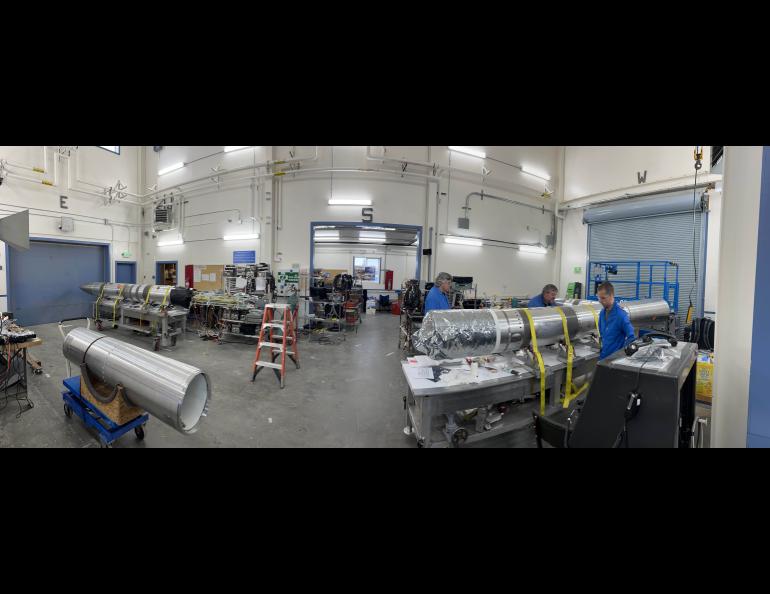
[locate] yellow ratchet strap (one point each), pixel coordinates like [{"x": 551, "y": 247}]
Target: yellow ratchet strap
[
  {"x": 115, "y": 305},
  {"x": 539, "y": 360},
  {"x": 98, "y": 302},
  {"x": 570, "y": 357}
]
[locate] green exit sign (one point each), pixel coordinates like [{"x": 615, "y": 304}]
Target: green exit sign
[
  {"x": 577, "y": 269},
  {"x": 126, "y": 254}
]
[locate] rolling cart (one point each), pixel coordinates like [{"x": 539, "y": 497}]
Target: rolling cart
[{"x": 79, "y": 399}]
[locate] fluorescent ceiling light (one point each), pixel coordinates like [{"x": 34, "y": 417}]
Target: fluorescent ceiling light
[
  {"x": 170, "y": 242},
  {"x": 230, "y": 149},
  {"x": 540, "y": 174},
  {"x": 533, "y": 249},
  {"x": 171, "y": 168},
  {"x": 463, "y": 241},
  {"x": 374, "y": 228},
  {"x": 327, "y": 235},
  {"x": 372, "y": 235},
  {"x": 468, "y": 151},
  {"x": 350, "y": 202},
  {"x": 241, "y": 237}
]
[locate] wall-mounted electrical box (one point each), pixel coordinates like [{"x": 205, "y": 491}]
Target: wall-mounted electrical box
[{"x": 67, "y": 225}]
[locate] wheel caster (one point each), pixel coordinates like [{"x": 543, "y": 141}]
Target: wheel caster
[
  {"x": 156, "y": 346},
  {"x": 99, "y": 326},
  {"x": 420, "y": 443},
  {"x": 38, "y": 372},
  {"x": 458, "y": 437},
  {"x": 139, "y": 432},
  {"x": 67, "y": 411}
]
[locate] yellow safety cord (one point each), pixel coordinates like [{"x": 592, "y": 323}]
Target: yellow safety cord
[
  {"x": 539, "y": 360},
  {"x": 570, "y": 357}
]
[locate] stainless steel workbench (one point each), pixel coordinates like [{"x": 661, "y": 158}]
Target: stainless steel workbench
[{"x": 426, "y": 402}]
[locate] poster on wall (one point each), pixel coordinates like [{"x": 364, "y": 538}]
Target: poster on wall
[{"x": 245, "y": 257}]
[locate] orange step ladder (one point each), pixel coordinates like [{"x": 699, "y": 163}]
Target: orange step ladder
[{"x": 280, "y": 349}]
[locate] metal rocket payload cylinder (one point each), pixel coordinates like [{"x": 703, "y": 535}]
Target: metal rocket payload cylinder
[
  {"x": 139, "y": 293},
  {"x": 176, "y": 393},
  {"x": 451, "y": 334}
]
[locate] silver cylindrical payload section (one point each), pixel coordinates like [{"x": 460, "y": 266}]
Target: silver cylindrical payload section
[
  {"x": 158, "y": 294},
  {"x": 176, "y": 393},
  {"x": 451, "y": 334}
]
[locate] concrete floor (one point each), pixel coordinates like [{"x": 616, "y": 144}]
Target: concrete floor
[{"x": 345, "y": 395}]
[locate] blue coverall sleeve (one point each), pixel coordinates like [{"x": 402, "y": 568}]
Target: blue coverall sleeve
[{"x": 628, "y": 329}]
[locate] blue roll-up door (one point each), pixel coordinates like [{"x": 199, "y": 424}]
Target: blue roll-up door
[
  {"x": 44, "y": 281},
  {"x": 660, "y": 229}
]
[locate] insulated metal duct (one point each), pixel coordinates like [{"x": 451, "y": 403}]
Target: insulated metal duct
[
  {"x": 455, "y": 333},
  {"x": 176, "y": 393},
  {"x": 139, "y": 293}
]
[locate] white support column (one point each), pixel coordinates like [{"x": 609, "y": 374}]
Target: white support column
[{"x": 735, "y": 299}]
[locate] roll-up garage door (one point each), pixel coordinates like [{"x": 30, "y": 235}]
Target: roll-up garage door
[
  {"x": 662, "y": 228},
  {"x": 44, "y": 281}
]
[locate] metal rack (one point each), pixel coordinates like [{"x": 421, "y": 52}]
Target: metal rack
[{"x": 636, "y": 279}]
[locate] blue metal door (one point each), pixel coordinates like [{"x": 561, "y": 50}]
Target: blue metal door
[
  {"x": 125, "y": 272},
  {"x": 44, "y": 281}
]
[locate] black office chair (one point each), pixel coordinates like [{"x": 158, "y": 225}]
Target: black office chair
[{"x": 556, "y": 429}]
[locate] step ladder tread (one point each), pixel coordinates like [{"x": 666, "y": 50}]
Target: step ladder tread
[
  {"x": 272, "y": 345},
  {"x": 272, "y": 325},
  {"x": 268, "y": 364}
]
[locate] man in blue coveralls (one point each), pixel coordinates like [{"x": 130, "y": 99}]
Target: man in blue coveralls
[
  {"x": 546, "y": 298},
  {"x": 437, "y": 296},
  {"x": 614, "y": 324}
]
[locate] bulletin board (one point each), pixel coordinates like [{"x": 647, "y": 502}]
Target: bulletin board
[
  {"x": 208, "y": 277},
  {"x": 328, "y": 274}
]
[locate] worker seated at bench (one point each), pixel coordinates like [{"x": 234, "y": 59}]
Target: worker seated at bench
[
  {"x": 547, "y": 297},
  {"x": 437, "y": 296}
]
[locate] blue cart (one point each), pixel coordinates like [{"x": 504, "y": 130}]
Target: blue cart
[
  {"x": 108, "y": 430},
  {"x": 75, "y": 403}
]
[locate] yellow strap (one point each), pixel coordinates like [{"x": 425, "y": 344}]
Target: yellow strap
[
  {"x": 568, "y": 397},
  {"x": 168, "y": 292},
  {"x": 596, "y": 319},
  {"x": 98, "y": 302},
  {"x": 577, "y": 392},
  {"x": 115, "y": 305},
  {"x": 141, "y": 311},
  {"x": 539, "y": 360}
]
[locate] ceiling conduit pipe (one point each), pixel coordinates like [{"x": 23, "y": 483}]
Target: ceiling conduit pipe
[
  {"x": 267, "y": 164},
  {"x": 540, "y": 209}
]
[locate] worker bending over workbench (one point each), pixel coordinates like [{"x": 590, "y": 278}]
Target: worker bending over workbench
[{"x": 614, "y": 324}]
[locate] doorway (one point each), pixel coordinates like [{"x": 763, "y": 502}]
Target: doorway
[{"x": 166, "y": 273}]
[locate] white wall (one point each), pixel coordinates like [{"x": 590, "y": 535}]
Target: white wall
[
  {"x": 302, "y": 199},
  {"x": 594, "y": 174},
  {"x": 602, "y": 172},
  {"x": 401, "y": 260},
  {"x": 737, "y": 259},
  {"x": 89, "y": 167}
]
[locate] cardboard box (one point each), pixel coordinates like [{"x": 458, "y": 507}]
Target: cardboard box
[{"x": 704, "y": 377}]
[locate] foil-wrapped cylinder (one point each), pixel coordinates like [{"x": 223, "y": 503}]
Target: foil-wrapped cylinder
[{"x": 455, "y": 333}]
